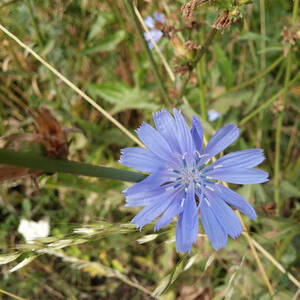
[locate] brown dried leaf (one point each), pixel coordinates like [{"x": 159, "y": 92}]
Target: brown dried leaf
[
  {"x": 13, "y": 173},
  {"x": 52, "y": 135}
]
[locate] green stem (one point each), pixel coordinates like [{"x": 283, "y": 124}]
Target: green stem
[
  {"x": 209, "y": 38},
  {"x": 252, "y": 80},
  {"x": 51, "y": 165},
  {"x": 35, "y": 24},
  {"x": 129, "y": 6},
  {"x": 280, "y": 120},
  {"x": 262, "y": 67},
  {"x": 202, "y": 93},
  {"x": 268, "y": 102}
]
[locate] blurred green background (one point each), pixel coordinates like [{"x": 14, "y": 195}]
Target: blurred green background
[{"x": 96, "y": 45}]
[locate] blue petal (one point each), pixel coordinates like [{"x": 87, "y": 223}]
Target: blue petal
[
  {"x": 172, "y": 210},
  {"x": 190, "y": 219},
  {"x": 140, "y": 159},
  {"x": 143, "y": 198},
  {"x": 154, "y": 209},
  {"x": 180, "y": 247},
  {"x": 151, "y": 182},
  {"x": 184, "y": 136},
  {"x": 155, "y": 142},
  {"x": 235, "y": 200},
  {"x": 225, "y": 215},
  {"x": 197, "y": 134},
  {"x": 159, "y": 17},
  {"x": 154, "y": 33},
  {"x": 240, "y": 159},
  {"x": 167, "y": 127},
  {"x": 181, "y": 243},
  {"x": 149, "y": 22},
  {"x": 238, "y": 176},
  {"x": 222, "y": 139},
  {"x": 215, "y": 232}
]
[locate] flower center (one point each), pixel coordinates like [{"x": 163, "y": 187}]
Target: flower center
[{"x": 188, "y": 175}]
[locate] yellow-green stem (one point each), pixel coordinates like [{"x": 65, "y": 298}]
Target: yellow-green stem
[{"x": 280, "y": 121}]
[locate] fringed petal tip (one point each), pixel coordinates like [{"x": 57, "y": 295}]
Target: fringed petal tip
[{"x": 183, "y": 248}]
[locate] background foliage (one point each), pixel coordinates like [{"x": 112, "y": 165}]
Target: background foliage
[{"x": 94, "y": 252}]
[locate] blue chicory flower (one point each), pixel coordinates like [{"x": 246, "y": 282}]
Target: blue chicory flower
[
  {"x": 181, "y": 183},
  {"x": 213, "y": 115},
  {"x": 156, "y": 34}
]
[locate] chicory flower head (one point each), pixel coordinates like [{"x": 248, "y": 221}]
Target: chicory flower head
[
  {"x": 183, "y": 183},
  {"x": 155, "y": 33}
]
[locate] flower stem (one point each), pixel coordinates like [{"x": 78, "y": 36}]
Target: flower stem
[
  {"x": 51, "y": 165},
  {"x": 129, "y": 6},
  {"x": 280, "y": 120}
]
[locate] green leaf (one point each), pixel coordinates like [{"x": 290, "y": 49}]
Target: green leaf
[
  {"x": 258, "y": 93},
  {"x": 108, "y": 43},
  {"x": 289, "y": 189},
  {"x": 225, "y": 66},
  {"x": 224, "y": 104},
  {"x": 38, "y": 162},
  {"x": 123, "y": 96},
  {"x": 102, "y": 19},
  {"x": 252, "y": 36}
]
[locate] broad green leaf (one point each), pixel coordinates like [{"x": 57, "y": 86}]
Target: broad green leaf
[{"x": 123, "y": 96}]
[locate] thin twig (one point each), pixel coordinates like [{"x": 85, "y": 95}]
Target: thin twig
[
  {"x": 297, "y": 294},
  {"x": 130, "y": 7},
  {"x": 11, "y": 295},
  {"x": 73, "y": 87},
  {"x": 275, "y": 262},
  {"x": 253, "y": 250}
]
